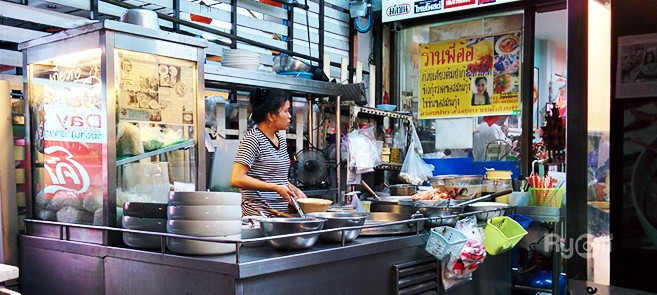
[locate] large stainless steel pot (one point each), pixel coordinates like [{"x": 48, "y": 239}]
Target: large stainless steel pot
[
  {"x": 141, "y": 17},
  {"x": 402, "y": 190},
  {"x": 379, "y": 217},
  {"x": 340, "y": 219}
]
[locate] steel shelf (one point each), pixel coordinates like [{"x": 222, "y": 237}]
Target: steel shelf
[
  {"x": 233, "y": 78},
  {"x": 170, "y": 148}
]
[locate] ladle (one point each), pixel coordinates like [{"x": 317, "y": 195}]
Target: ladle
[{"x": 369, "y": 189}]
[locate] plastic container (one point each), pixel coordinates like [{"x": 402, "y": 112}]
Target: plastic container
[
  {"x": 524, "y": 221},
  {"x": 502, "y": 234},
  {"x": 546, "y": 197},
  {"x": 445, "y": 240}
]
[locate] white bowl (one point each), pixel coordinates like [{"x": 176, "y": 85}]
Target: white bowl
[
  {"x": 250, "y": 67},
  {"x": 204, "y": 228},
  {"x": 147, "y": 224},
  {"x": 206, "y": 198},
  {"x": 479, "y": 206},
  {"x": 204, "y": 212},
  {"x": 185, "y": 246}
]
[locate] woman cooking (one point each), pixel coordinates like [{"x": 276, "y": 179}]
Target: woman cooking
[{"x": 262, "y": 161}]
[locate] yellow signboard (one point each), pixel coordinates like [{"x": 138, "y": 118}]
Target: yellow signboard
[{"x": 466, "y": 77}]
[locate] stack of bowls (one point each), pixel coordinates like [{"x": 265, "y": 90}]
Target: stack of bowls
[
  {"x": 145, "y": 217},
  {"x": 241, "y": 59},
  {"x": 204, "y": 214}
]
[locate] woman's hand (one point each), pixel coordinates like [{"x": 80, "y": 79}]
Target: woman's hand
[
  {"x": 285, "y": 192},
  {"x": 297, "y": 192}
]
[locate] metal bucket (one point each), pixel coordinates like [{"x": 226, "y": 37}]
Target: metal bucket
[{"x": 141, "y": 17}]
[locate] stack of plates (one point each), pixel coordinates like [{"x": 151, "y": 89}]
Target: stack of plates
[
  {"x": 204, "y": 214},
  {"x": 146, "y": 217},
  {"x": 241, "y": 59}
]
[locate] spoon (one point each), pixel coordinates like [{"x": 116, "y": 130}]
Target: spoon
[{"x": 296, "y": 206}]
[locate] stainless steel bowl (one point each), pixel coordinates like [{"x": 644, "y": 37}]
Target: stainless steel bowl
[
  {"x": 141, "y": 17},
  {"x": 282, "y": 226},
  {"x": 340, "y": 219}
]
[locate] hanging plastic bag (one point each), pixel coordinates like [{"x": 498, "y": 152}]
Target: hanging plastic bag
[
  {"x": 459, "y": 268},
  {"x": 363, "y": 154},
  {"x": 415, "y": 171},
  {"x": 415, "y": 139}
]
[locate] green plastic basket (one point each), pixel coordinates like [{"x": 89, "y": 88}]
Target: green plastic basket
[
  {"x": 445, "y": 240},
  {"x": 501, "y": 234}
]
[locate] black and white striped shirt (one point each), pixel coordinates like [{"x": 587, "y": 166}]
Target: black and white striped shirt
[{"x": 267, "y": 163}]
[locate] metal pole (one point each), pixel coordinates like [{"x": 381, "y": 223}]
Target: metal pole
[
  {"x": 309, "y": 100},
  {"x": 93, "y": 9},
  {"x": 290, "y": 28},
  {"x": 321, "y": 32},
  {"x": 233, "y": 23},
  {"x": 526, "y": 88},
  {"x": 176, "y": 14},
  {"x": 338, "y": 158},
  {"x": 576, "y": 135}
]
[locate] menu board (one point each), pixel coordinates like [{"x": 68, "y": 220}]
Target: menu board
[
  {"x": 155, "y": 89},
  {"x": 467, "y": 77}
]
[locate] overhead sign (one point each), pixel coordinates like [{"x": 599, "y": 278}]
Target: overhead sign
[{"x": 404, "y": 9}]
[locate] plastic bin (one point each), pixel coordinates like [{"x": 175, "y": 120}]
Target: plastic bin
[
  {"x": 546, "y": 197},
  {"x": 461, "y": 166},
  {"x": 523, "y": 220},
  {"x": 501, "y": 234},
  {"x": 445, "y": 240},
  {"x": 479, "y": 167}
]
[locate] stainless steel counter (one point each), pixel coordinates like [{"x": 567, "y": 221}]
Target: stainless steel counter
[{"x": 365, "y": 266}]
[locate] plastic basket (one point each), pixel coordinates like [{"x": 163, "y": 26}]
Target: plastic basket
[
  {"x": 524, "y": 221},
  {"x": 546, "y": 197},
  {"x": 502, "y": 234},
  {"x": 445, "y": 240}
]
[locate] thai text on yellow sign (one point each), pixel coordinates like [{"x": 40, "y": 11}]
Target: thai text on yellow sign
[{"x": 466, "y": 77}]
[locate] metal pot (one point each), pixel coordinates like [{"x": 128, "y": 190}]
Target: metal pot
[
  {"x": 402, "y": 190},
  {"x": 380, "y": 217},
  {"x": 340, "y": 219},
  {"x": 141, "y": 17}
]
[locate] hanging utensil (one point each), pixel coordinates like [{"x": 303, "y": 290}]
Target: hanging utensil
[
  {"x": 493, "y": 195},
  {"x": 296, "y": 206},
  {"x": 369, "y": 189}
]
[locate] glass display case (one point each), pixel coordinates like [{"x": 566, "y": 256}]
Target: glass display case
[{"x": 113, "y": 117}]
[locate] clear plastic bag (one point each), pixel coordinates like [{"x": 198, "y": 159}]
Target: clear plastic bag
[
  {"x": 363, "y": 154},
  {"x": 414, "y": 170},
  {"x": 415, "y": 139}
]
